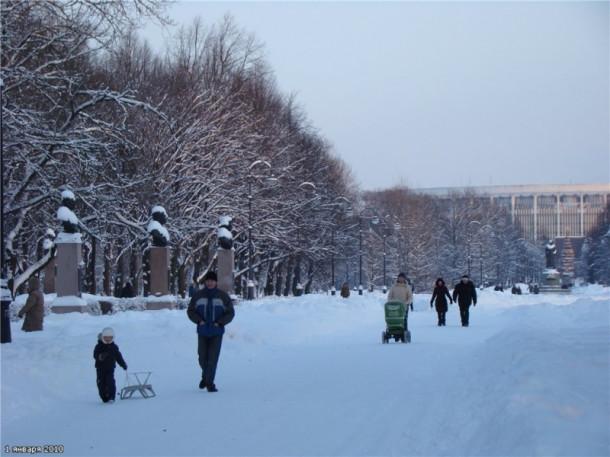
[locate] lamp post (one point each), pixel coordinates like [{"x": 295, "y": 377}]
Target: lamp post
[
  {"x": 6, "y": 296},
  {"x": 468, "y": 243},
  {"x": 374, "y": 221},
  {"x": 250, "y": 283},
  {"x": 270, "y": 181},
  {"x": 480, "y": 231},
  {"x": 349, "y": 213},
  {"x": 384, "y": 234},
  {"x": 384, "y": 275},
  {"x": 310, "y": 191},
  {"x": 333, "y": 289},
  {"x": 2, "y": 177}
]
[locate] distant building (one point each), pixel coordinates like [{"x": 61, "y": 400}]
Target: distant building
[{"x": 546, "y": 212}]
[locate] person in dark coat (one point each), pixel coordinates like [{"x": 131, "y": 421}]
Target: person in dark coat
[
  {"x": 33, "y": 308},
  {"x": 345, "y": 290},
  {"x": 211, "y": 309},
  {"x": 412, "y": 286},
  {"x": 440, "y": 292},
  {"x": 465, "y": 294},
  {"x": 192, "y": 289},
  {"x": 107, "y": 354},
  {"x": 128, "y": 291}
]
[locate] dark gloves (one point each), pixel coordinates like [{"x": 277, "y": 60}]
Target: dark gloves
[
  {"x": 411, "y": 306},
  {"x": 430, "y": 304},
  {"x": 125, "y": 367}
]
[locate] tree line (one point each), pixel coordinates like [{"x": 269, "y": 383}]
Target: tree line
[{"x": 202, "y": 130}]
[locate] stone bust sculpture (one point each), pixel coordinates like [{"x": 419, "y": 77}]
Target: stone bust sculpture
[
  {"x": 550, "y": 251},
  {"x": 225, "y": 237},
  {"x": 68, "y": 219},
  {"x": 159, "y": 234}
]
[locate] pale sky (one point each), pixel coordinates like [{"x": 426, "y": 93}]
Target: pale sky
[{"x": 442, "y": 94}]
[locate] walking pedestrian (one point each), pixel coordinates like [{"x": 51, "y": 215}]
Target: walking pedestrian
[
  {"x": 438, "y": 298},
  {"x": 401, "y": 291},
  {"x": 465, "y": 294},
  {"x": 211, "y": 309},
  {"x": 33, "y": 308},
  {"x": 128, "y": 291},
  {"x": 345, "y": 290}
]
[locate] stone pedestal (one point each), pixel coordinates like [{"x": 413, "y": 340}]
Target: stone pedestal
[
  {"x": 551, "y": 282},
  {"x": 49, "y": 278},
  {"x": 159, "y": 279},
  {"x": 68, "y": 261},
  {"x": 226, "y": 265},
  {"x": 69, "y": 304},
  {"x": 68, "y": 271},
  {"x": 159, "y": 270},
  {"x": 163, "y": 302}
]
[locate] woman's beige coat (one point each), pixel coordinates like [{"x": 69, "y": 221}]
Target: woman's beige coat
[
  {"x": 33, "y": 308},
  {"x": 401, "y": 291}
]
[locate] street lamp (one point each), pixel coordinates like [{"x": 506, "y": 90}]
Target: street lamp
[
  {"x": 310, "y": 191},
  {"x": 384, "y": 234},
  {"x": 270, "y": 181},
  {"x": 374, "y": 221},
  {"x": 468, "y": 239},
  {"x": 6, "y": 297},
  {"x": 480, "y": 231},
  {"x": 348, "y": 212}
]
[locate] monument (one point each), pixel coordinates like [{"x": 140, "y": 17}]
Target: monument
[
  {"x": 159, "y": 261},
  {"x": 550, "y": 251},
  {"x": 49, "y": 269},
  {"x": 69, "y": 265},
  {"x": 551, "y": 277},
  {"x": 225, "y": 255}
]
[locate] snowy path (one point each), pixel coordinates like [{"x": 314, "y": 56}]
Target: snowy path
[{"x": 312, "y": 378}]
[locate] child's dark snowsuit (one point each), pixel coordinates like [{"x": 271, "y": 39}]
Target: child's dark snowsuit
[{"x": 106, "y": 357}]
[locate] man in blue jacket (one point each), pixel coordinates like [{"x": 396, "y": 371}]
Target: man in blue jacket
[{"x": 211, "y": 309}]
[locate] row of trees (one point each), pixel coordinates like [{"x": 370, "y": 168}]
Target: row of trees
[{"x": 203, "y": 131}]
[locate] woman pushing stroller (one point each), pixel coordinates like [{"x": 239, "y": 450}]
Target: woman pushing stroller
[
  {"x": 401, "y": 291},
  {"x": 440, "y": 291}
]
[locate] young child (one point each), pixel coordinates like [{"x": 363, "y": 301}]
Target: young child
[{"x": 107, "y": 355}]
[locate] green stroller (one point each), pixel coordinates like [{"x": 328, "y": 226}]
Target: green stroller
[{"x": 396, "y": 322}]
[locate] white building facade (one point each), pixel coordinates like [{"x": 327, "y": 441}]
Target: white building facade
[{"x": 546, "y": 212}]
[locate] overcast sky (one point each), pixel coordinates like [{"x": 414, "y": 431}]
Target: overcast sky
[{"x": 442, "y": 94}]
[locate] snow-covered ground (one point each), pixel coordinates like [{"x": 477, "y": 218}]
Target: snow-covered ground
[{"x": 309, "y": 376}]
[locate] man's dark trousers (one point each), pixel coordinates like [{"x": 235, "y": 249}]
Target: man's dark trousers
[
  {"x": 209, "y": 352},
  {"x": 464, "y": 314}
]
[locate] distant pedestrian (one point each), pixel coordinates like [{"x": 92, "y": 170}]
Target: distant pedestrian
[
  {"x": 465, "y": 294},
  {"x": 107, "y": 355},
  {"x": 192, "y": 288},
  {"x": 211, "y": 309},
  {"x": 345, "y": 290},
  {"x": 438, "y": 297},
  {"x": 33, "y": 308},
  {"x": 128, "y": 291},
  {"x": 412, "y": 286}
]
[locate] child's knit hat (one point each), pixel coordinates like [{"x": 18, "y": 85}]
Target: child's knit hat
[{"x": 108, "y": 332}]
